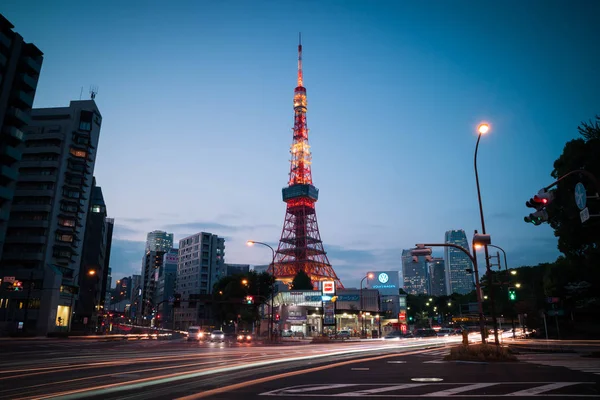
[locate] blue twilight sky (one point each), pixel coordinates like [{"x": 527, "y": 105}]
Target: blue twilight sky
[{"x": 196, "y": 98}]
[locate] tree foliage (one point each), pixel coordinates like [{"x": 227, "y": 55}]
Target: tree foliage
[
  {"x": 230, "y": 292},
  {"x": 579, "y": 242},
  {"x": 302, "y": 281}
]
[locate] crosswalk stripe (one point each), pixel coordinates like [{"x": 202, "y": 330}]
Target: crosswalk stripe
[
  {"x": 320, "y": 387},
  {"x": 460, "y": 389},
  {"x": 541, "y": 389},
  {"x": 381, "y": 390}
]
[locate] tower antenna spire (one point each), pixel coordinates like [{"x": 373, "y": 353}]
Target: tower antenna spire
[{"x": 300, "y": 78}]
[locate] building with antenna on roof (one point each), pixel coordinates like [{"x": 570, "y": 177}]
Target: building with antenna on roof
[{"x": 44, "y": 241}]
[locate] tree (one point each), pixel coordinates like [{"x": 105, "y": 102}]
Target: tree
[
  {"x": 302, "y": 281},
  {"x": 579, "y": 242}
]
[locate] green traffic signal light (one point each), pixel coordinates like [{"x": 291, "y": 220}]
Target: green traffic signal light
[{"x": 512, "y": 294}]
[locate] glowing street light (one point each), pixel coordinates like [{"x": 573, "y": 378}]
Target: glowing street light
[
  {"x": 513, "y": 272},
  {"x": 483, "y": 128},
  {"x": 517, "y": 285},
  {"x": 244, "y": 281}
]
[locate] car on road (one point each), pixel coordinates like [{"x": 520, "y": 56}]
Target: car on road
[
  {"x": 397, "y": 335},
  {"x": 344, "y": 334},
  {"x": 446, "y": 332},
  {"x": 425, "y": 333},
  {"x": 244, "y": 337},
  {"x": 217, "y": 336},
  {"x": 196, "y": 333}
]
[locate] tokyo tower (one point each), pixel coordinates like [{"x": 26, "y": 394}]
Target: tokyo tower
[{"x": 300, "y": 246}]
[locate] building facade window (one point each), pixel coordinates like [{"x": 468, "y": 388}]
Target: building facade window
[{"x": 78, "y": 153}]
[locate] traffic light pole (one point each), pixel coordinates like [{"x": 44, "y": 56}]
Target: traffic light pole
[
  {"x": 487, "y": 255},
  {"x": 473, "y": 259},
  {"x": 27, "y": 301}
]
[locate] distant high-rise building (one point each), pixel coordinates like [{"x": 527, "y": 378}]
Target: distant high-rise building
[
  {"x": 159, "y": 241},
  {"x": 136, "y": 297},
  {"x": 165, "y": 290},
  {"x": 20, "y": 65},
  {"x": 437, "y": 277},
  {"x": 152, "y": 264},
  {"x": 457, "y": 262},
  {"x": 201, "y": 264},
  {"x": 237, "y": 269},
  {"x": 44, "y": 239},
  {"x": 108, "y": 295},
  {"x": 414, "y": 273},
  {"x": 259, "y": 269},
  {"x": 96, "y": 243},
  {"x": 122, "y": 290}
]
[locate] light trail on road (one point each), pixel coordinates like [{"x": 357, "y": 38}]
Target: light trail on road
[{"x": 182, "y": 363}]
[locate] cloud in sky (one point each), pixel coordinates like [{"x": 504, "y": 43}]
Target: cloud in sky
[{"x": 126, "y": 258}]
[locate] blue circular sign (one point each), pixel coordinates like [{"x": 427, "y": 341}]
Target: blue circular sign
[
  {"x": 383, "y": 277},
  {"x": 580, "y": 196}
]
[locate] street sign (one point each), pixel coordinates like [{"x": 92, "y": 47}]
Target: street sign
[
  {"x": 328, "y": 287},
  {"x": 584, "y": 215},
  {"x": 9, "y": 279},
  {"x": 556, "y": 313},
  {"x": 580, "y": 196},
  {"x": 552, "y": 300}
]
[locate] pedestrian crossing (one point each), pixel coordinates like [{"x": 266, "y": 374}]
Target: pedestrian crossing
[
  {"x": 570, "y": 361},
  {"x": 441, "y": 389},
  {"x": 435, "y": 353}
]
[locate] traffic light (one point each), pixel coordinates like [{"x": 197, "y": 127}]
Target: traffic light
[
  {"x": 249, "y": 300},
  {"x": 410, "y": 318},
  {"x": 512, "y": 294},
  {"x": 17, "y": 286},
  {"x": 277, "y": 317},
  {"x": 539, "y": 202}
]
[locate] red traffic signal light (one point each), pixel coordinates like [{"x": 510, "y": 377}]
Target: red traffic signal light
[{"x": 249, "y": 299}]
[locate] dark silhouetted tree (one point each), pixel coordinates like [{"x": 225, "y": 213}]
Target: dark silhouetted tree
[{"x": 302, "y": 281}]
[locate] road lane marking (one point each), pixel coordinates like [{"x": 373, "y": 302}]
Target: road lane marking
[
  {"x": 450, "y": 392},
  {"x": 541, "y": 389},
  {"x": 359, "y": 369},
  {"x": 312, "y": 388},
  {"x": 396, "y": 362},
  {"x": 286, "y": 375},
  {"x": 380, "y": 390}
]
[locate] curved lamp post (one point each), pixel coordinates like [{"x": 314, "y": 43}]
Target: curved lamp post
[
  {"x": 362, "y": 311},
  {"x": 270, "y": 324}
]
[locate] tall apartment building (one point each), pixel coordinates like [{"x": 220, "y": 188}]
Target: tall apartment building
[
  {"x": 152, "y": 264},
  {"x": 457, "y": 262},
  {"x": 201, "y": 264},
  {"x": 437, "y": 277},
  {"x": 165, "y": 290},
  {"x": 415, "y": 274},
  {"x": 136, "y": 297},
  {"x": 159, "y": 241},
  {"x": 122, "y": 290},
  {"x": 20, "y": 66},
  {"x": 44, "y": 239},
  {"x": 95, "y": 257},
  {"x": 237, "y": 269}
]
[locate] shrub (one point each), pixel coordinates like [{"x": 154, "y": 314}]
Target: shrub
[{"x": 480, "y": 352}]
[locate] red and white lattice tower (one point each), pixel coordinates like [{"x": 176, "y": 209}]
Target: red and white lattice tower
[{"x": 300, "y": 246}]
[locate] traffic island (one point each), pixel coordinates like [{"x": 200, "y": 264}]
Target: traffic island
[{"x": 480, "y": 352}]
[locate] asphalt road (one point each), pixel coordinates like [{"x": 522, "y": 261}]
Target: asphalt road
[
  {"x": 154, "y": 369},
  {"x": 151, "y": 369}
]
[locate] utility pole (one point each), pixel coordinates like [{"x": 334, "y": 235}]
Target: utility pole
[{"x": 27, "y": 301}]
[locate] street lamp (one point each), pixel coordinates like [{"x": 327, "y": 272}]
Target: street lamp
[
  {"x": 512, "y": 272},
  {"x": 244, "y": 282},
  {"x": 270, "y": 323},
  {"x": 484, "y": 128},
  {"x": 368, "y": 276}
]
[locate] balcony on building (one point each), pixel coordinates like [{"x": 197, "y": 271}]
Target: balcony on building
[
  {"x": 41, "y": 147},
  {"x": 8, "y": 173},
  {"x": 4, "y": 41},
  {"x": 31, "y": 207},
  {"x": 13, "y": 132},
  {"x": 20, "y": 116},
  {"x": 32, "y": 65},
  {"x": 5, "y": 193},
  {"x": 22, "y": 99},
  {"x": 10, "y": 152},
  {"x": 29, "y": 81},
  {"x": 25, "y": 239}
]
